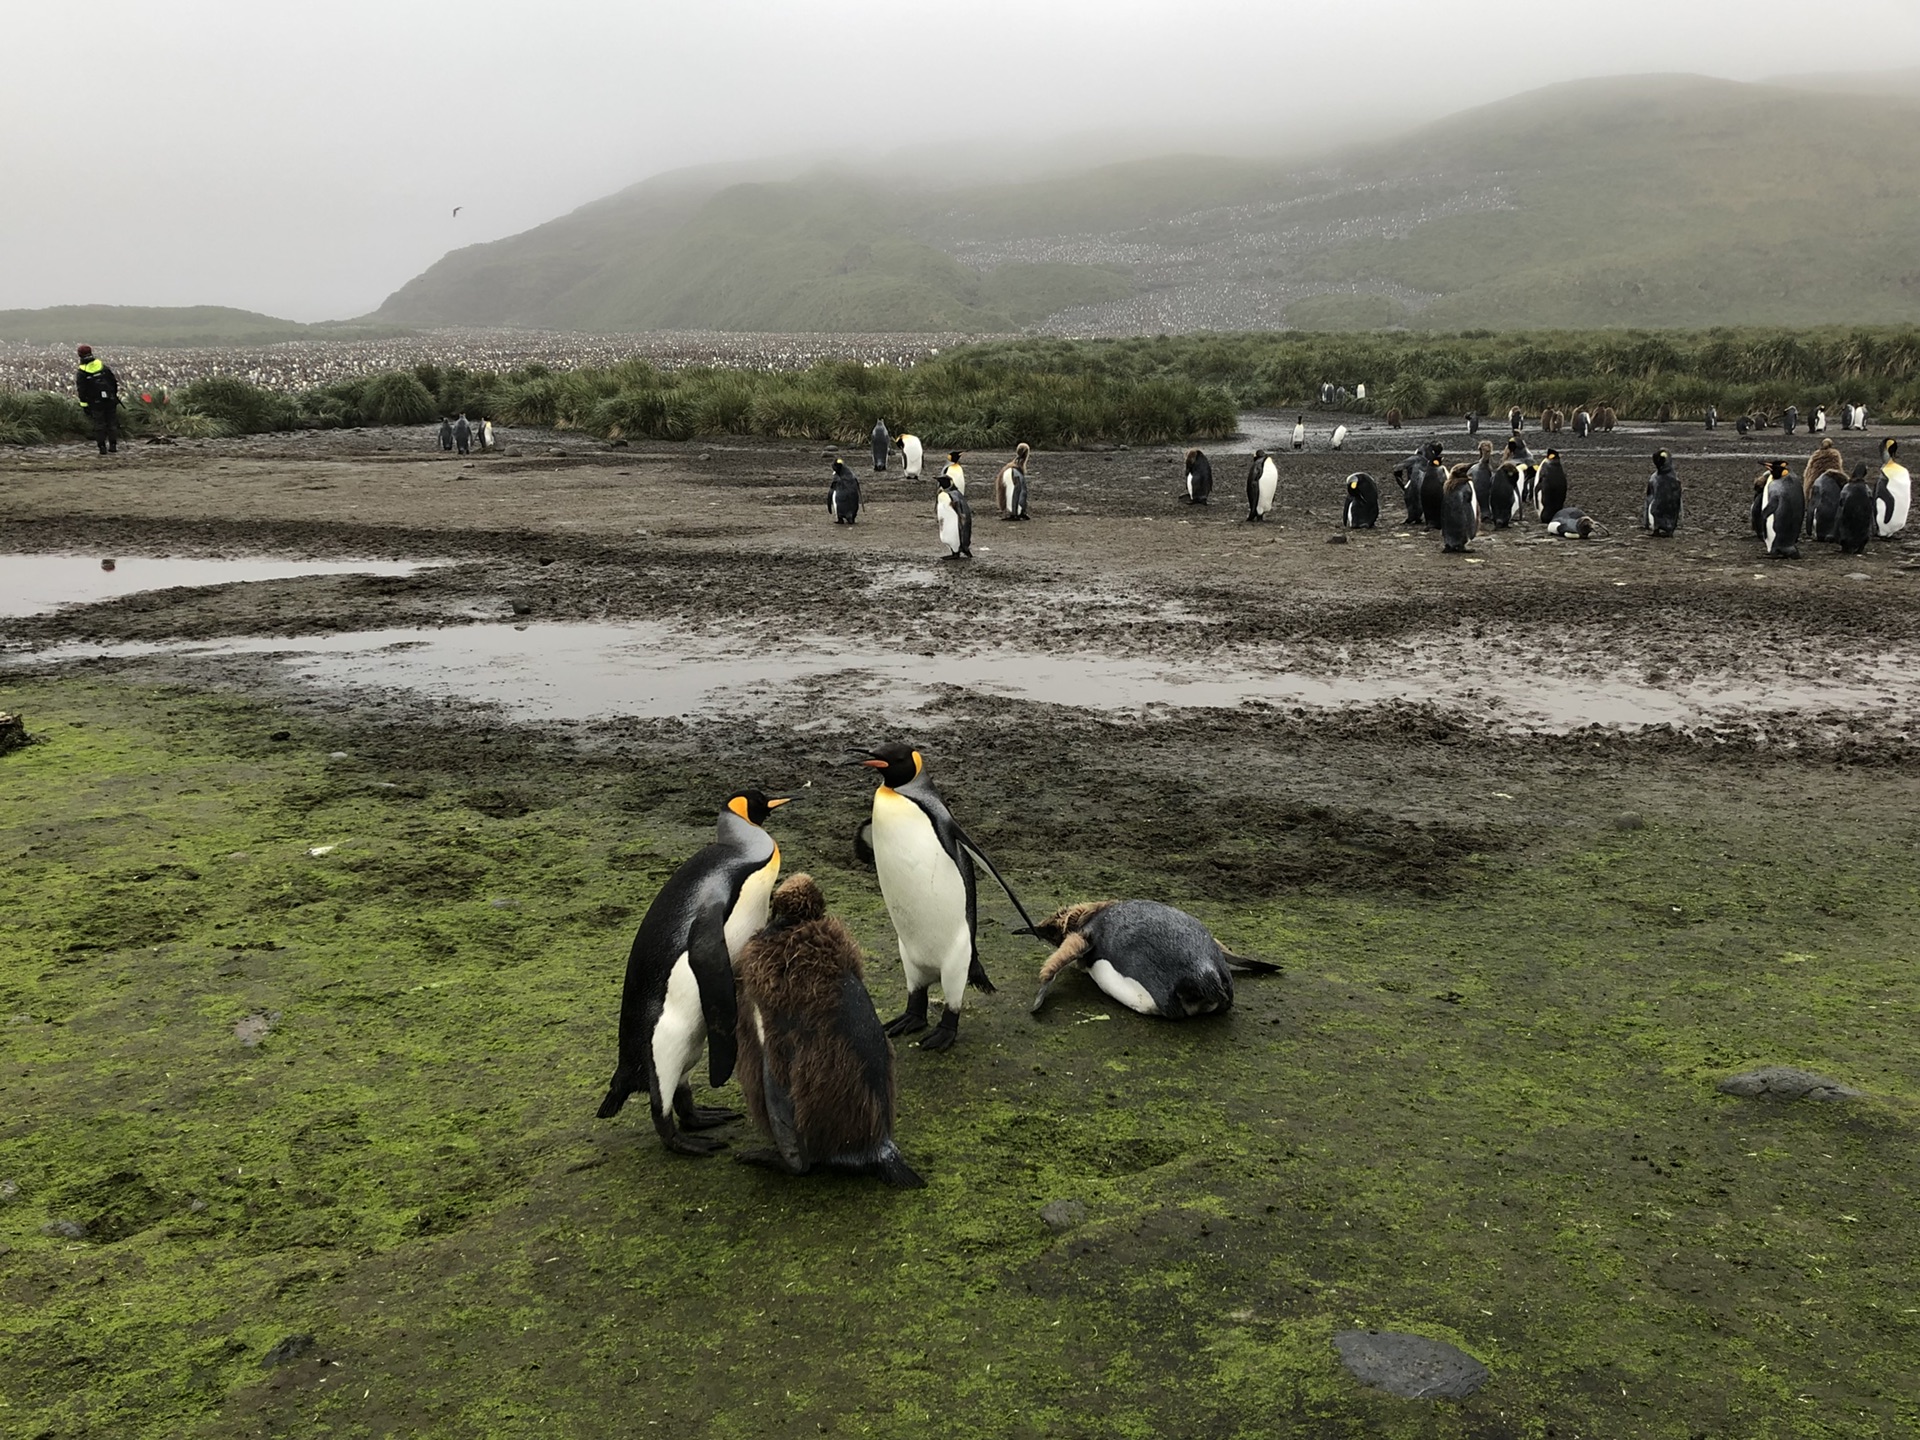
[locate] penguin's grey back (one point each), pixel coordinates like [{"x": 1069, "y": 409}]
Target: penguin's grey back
[{"x": 1167, "y": 952}]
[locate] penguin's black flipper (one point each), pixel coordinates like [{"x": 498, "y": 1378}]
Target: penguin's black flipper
[
  {"x": 1241, "y": 965},
  {"x": 961, "y": 841},
  {"x": 779, "y": 1102},
  {"x": 713, "y": 973}
]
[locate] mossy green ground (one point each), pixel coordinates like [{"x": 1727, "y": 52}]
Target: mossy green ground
[{"x": 1488, "y": 1118}]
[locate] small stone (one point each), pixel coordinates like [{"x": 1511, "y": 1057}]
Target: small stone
[
  {"x": 281, "y": 735},
  {"x": 1629, "y": 820},
  {"x": 255, "y": 1028},
  {"x": 65, "y": 1229},
  {"x": 1858, "y": 575},
  {"x": 521, "y": 607},
  {"x": 9, "y": 1189},
  {"x": 195, "y": 1206},
  {"x": 1784, "y": 1082},
  {"x": 706, "y": 456},
  {"x": 1061, "y": 1216},
  {"x": 1410, "y": 1366},
  {"x": 336, "y": 755},
  {"x": 287, "y": 1351},
  {"x": 1336, "y": 539},
  {"x": 13, "y": 733},
  {"x": 504, "y": 904}
]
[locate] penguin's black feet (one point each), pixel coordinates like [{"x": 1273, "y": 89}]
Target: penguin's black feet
[
  {"x": 945, "y": 1033},
  {"x": 705, "y": 1117},
  {"x": 770, "y": 1158},
  {"x": 701, "y": 1145},
  {"x": 913, "y": 1019}
]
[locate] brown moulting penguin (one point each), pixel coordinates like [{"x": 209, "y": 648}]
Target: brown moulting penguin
[
  {"x": 816, "y": 1068},
  {"x": 1152, "y": 958},
  {"x": 1824, "y": 461},
  {"x": 1010, "y": 486},
  {"x": 679, "y": 997},
  {"x": 1199, "y": 480}
]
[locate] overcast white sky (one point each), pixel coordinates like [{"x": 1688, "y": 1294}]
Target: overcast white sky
[{"x": 304, "y": 158}]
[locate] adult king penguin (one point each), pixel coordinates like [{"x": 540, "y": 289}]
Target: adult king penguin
[
  {"x": 1152, "y": 958},
  {"x": 1572, "y": 522},
  {"x": 1339, "y": 437},
  {"x": 1854, "y": 526},
  {"x": 1199, "y": 478},
  {"x": 1894, "y": 494},
  {"x": 955, "y": 518},
  {"x": 1459, "y": 511},
  {"x": 1783, "y": 512},
  {"x": 1510, "y": 481},
  {"x": 1433, "y": 484},
  {"x": 1300, "y": 432},
  {"x": 911, "y": 454},
  {"x": 1662, "y": 510},
  {"x": 955, "y": 472},
  {"x": 679, "y": 993},
  {"x": 1362, "y": 511},
  {"x": 1010, "y": 486},
  {"x": 925, "y": 862},
  {"x": 1263, "y": 480},
  {"x": 882, "y": 442},
  {"x": 843, "y": 494},
  {"x": 1550, "y": 487}
]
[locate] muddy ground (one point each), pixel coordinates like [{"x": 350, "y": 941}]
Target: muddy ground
[{"x": 1479, "y": 1105}]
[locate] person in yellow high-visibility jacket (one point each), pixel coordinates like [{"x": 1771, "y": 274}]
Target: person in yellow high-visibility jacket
[{"x": 99, "y": 391}]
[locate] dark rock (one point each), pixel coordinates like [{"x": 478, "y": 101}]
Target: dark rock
[
  {"x": 287, "y": 1351},
  {"x": 281, "y": 735},
  {"x": 521, "y": 607},
  {"x": 13, "y": 733},
  {"x": 1628, "y": 820},
  {"x": 1783, "y": 1082},
  {"x": 1062, "y": 1215},
  {"x": 1410, "y": 1366},
  {"x": 1336, "y": 539},
  {"x": 65, "y": 1229}
]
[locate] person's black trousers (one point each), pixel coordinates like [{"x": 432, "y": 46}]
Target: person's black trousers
[{"x": 106, "y": 424}]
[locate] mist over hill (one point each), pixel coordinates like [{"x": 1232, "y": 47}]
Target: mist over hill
[{"x": 1658, "y": 200}]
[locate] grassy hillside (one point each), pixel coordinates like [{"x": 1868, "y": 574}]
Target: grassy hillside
[
  {"x": 1654, "y": 201},
  {"x": 170, "y": 325}
]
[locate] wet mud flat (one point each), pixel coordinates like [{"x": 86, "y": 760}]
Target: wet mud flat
[{"x": 307, "y": 1031}]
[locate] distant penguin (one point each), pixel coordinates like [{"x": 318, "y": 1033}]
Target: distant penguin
[
  {"x": 1744, "y": 425},
  {"x": 1152, "y": 958},
  {"x": 1894, "y": 494},
  {"x": 1516, "y": 417},
  {"x": 1823, "y": 506},
  {"x": 1713, "y": 418},
  {"x": 816, "y": 1069},
  {"x": 1575, "y": 524},
  {"x": 679, "y": 995},
  {"x": 1818, "y": 424},
  {"x": 1582, "y": 424},
  {"x": 1503, "y": 495},
  {"x": 1339, "y": 436},
  {"x": 446, "y": 433},
  {"x": 1408, "y": 479},
  {"x": 1473, "y": 422},
  {"x": 955, "y": 518},
  {"x": 1551, "y": 487},
  {"x": 1433, "y": 484},
  {"x": 1326, "y": 394},
  {"x": 1362, "y": 510},
  {"x": 1300, "y": 433},
  {"x": 1662, "y": 510},
  {"x": 1855, "y": 524},
  {"x": 843, "y": 494},
  {"x": 1860, "y": 417},
  {"x": 1783, "y": 512},
  {"x": 1010, "y": 486},
  {"x": 1360, "y": 393},
  {"x": 954, "y": 472},
  {"x": 926, "y": 867},
  {"x": 1846, "y": 415},
  {"x": 1263, "y": 480},
  {"x": 1518, "y": 452},
  {"x": 911, "y": 452},
  {"x": 1199, "y": 480},
  {"x": 882, "y": 443},
  {"x": 1459, "y": 512},
  {"x": 1790, "y": 418}
]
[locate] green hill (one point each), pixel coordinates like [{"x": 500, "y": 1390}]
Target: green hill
[
  {"x": 169, "y": 325},
  {"x": 1654, "y": 201}
]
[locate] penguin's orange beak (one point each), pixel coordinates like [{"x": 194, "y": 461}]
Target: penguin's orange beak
[
  {"x": 776, "y": 804},
  {"x": 874, "y": 764}
]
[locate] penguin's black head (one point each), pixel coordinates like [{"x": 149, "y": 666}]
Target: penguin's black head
[
  {"x": 1353, "y": 482},
  {"x": 753, "y": 806},
  {"x": 953, "y": 455},
  {"x": 1553, "y": 454},
  {"x": 1435, "y": 450},
  {"x": 1889, "y": 447},
  {"x": 1860, "y": 471},
  {"x": 1777, "y": 468},
  {"x": 897, "y": 763},
  {"x": 1586, "y": 527}
]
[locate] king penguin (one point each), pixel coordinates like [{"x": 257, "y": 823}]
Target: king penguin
[
  {"x": 954, "y": 472},
  {"x": 1199, "y": 478},
  {"x": 1459, "y": 511},
  {"x": 1894, "y": 494},
  {"x": 1152, "y": 958},
  {"x": 679, "y": 995},
  {"x": 1854, "y": 526},
  {"x": 1503, "y": 498},
  {"x": 1571, "y": 522},
  {"x": 1300, "y": 432},
  {"x": 1433, "y": 484},
  {"x": 1362, "y": 511},
  {"x": 843, "y": 494},
  {"x": 1662, "y": 511},
  {"x": 1010, "y": 486},
  {"x": 1783, "y": 512},
  {"x": 1263, "y": 480},
  {"x": 911, "y": 452},
  {"x": 925, "y": 862},
  {"x": 882, "y": 443},
  {"x": 1339, "y": 437},
  {"x": 1550, "y": 490},
  {"x": 955, "y": 518}
]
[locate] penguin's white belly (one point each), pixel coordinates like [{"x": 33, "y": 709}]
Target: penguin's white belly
[
  {"x": 682, "y": 1032},
  {"x": 1129, "y": 992},
  {"x": 1190, "y": 485},
  {"x": 1269, "y": 482},
  {"x": 1900, "y": 489},
  {"x": 910, "y": 453},
  {"x": 1299, "y": 436},
  {"x": 749, "y": 916},
  {"x": 959, "y": 478},
  {"x": 925, "y": 894},
  {"x": 949, "y": 532},
  {"x": 1340, "y": 437}
]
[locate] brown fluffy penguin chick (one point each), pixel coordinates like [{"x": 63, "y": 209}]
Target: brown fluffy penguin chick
[
  {"x": 815, "y": 1066},
  {"x": 1823, "y": 461}
]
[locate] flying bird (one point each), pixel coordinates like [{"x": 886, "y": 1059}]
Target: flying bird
[{"x": 457, "y": 209}]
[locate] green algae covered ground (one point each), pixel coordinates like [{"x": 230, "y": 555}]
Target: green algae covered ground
[{"x": 1481, "y": 1108}]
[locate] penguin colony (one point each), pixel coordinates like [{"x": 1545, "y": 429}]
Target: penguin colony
[{"x": 759, "y": 977}]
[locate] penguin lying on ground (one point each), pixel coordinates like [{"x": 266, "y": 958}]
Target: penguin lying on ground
[
  {"x": 1362, "y": 510},
  {"x": 1783, "y": 512},
  {"x": 1010, "y": 487},
  {"x": 815, "y": 1067},
  {"x": 1573, "y": 523},
  {"x": 843, "y": 494},
  {"x": 1152, "y": 958},
  {"x": 1263, "y": 479},
  {"x": 955, "y": 518},
  {"x": 1460, "y": 512},
  {"x": 925, "y": 864},
  {"x": 1199, "y": 478},
  {"x": 1550, "y": 487},
  {"x": 1662, "y": 511},
  {"x": 911, "y": 452},
  {"x": 1854, "y": 526},
  {"x": 679, "y": 995},
  {"x": 1894, "y": 494}
]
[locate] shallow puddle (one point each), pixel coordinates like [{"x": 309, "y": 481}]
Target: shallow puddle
[
  {"x": 654, "y": 670},
  {"x": 35, "y": 584}
]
